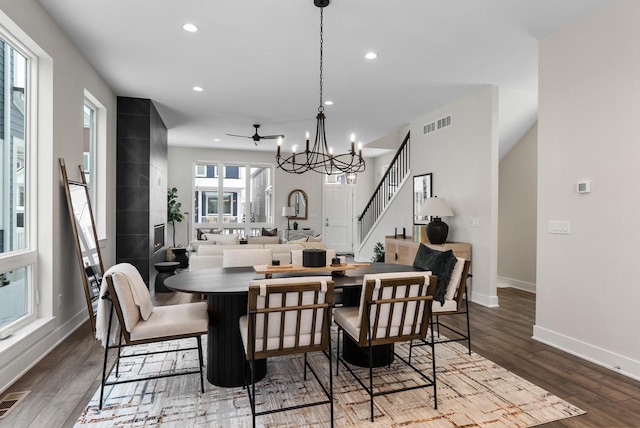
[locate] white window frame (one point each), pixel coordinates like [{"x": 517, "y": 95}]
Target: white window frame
[
  {"x": 219, "y": 223},
  {"x": 99, "y": 164},
  {"x": 27, "y": 257}
]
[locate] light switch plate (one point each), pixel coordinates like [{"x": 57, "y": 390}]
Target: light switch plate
[
  {"x": 474, "y": 222},
  {"x": 559, "y": 226}
]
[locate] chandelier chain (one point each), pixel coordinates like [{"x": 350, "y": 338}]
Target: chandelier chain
[{"x": 320, "y": 106}]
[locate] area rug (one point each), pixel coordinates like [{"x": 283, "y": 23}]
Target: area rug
[{"x": 472, "y": 392}]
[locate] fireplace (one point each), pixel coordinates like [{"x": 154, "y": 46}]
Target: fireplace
[{"x": 158, "y": 237}]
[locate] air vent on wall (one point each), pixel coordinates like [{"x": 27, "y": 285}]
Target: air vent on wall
[{"x": 436, "y": 125}]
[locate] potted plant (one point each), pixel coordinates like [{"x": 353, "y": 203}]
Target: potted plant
[
  {"x": 175, "y": 215},
  {"x": 295, "y": 225},
  {"x": 378, "y": 253}
]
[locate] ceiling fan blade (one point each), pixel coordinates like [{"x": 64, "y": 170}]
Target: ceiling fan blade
[
  {"x": 271, "y": 137},
  {"x": 241, "y": 136}
]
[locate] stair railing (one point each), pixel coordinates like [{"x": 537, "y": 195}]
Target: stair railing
[{"x": 396, "y": 172}]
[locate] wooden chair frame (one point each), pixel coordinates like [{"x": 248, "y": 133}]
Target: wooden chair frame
[
  {"x": 419, "y": 328},
  {"x": 116, "y": 307},
  {"x": 461, "y": 293},
  {"x": 323, "y": 346}
]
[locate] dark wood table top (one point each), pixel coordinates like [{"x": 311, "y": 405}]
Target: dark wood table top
[{"x": 236, "y": 280}]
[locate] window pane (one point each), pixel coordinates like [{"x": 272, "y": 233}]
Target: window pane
[
  {"x": 13, "y": 156},
  {"x": 261, "y": 195},
  {"x": 13, "y": 296},
  {"x": 89, "y": 148},
  {"x": 234, "y": 187}
]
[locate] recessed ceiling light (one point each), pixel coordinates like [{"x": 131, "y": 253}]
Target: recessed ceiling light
[
  {"x": 216, "y": 139},
  {"x": 198, "y": 89},
  {"x": 371, "y": 55},
  {"x": 328, "y": 103},
  {"x": 190, "y": 28}
]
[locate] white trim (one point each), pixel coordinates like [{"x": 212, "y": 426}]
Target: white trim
[
  {"x": 516, "y": 283},
  {"x": 38, "y": 340},
  {"x": 484, "y": 300},
  {"x": 602, "y": 357}
]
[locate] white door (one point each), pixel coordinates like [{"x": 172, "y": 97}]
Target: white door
[{"x": 337, "y": 216}]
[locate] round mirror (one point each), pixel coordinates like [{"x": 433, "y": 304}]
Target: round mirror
[{"x": 298, "y": 200}]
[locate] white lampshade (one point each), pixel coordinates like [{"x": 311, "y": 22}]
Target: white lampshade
[
  {"x": 288, "y": 211},
  {"x": 436, "y": 207}
]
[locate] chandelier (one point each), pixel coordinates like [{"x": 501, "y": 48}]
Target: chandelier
[{"x": 320, "y": 157}]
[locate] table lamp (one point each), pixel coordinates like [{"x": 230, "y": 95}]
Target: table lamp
[
  {"x": 288, "y": 212},
  {"x": 437, "y": 230}
]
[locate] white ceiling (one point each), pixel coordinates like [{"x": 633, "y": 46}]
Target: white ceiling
[{"x": 258, "y": 61}]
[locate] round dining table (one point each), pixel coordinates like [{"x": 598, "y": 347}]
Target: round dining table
[{"x": 227, "y": 290}]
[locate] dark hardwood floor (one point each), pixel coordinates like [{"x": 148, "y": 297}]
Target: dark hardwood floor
[{"x": 64, "y": 381}]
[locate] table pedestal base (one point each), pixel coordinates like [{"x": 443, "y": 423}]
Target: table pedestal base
[
  {"x": 382, "y": 355},
  {"x": 227, "y": 364}
]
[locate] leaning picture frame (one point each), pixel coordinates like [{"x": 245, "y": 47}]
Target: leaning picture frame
[{"x": 422, "y": 189}]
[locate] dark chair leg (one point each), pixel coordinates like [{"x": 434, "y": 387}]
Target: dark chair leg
[
  {"x": 466, "y": 304},
  {"x": 201, "y": 359},
  {"x": 433, "y": 368},
  {"x": 338, "y": 351},
  {"x": 304, "y": 376},
  {"x": 118, "y": 358},
  {"x": 104, "y": 363},
  {"x": 370, "y": 379}
]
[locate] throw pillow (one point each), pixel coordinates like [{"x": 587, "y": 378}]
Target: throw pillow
[
  {"x": 315, "y": 238},
  {"x": 441, "y": 263},
  {"x": 270, "y": 232}
]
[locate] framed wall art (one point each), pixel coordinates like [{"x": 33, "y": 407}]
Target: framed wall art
[{"x": 422, "y": 189}]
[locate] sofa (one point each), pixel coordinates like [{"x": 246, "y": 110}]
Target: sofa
[{"x": 208, "y": 253}]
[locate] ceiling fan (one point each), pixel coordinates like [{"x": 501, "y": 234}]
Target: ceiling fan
[{"x": 256, "y": 138}]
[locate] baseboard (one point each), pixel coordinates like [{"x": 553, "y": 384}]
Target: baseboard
[
  {"x": 31, "y": 352},
  {"x": 586, "y": 351},
  {"x": 484, "y": 300},
  {"x": 516, "y": 283}
]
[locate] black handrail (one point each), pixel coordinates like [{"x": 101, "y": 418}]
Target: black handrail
[{"x": 396, "y": 172}]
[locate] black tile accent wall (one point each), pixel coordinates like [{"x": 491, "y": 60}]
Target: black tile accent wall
[{"x": 141, "y": 183}]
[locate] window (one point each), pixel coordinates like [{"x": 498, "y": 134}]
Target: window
[
  {"x": 89, "y": 147},
  {"x": 17, "y": 257},
  {"x": 94, "y": 151},
  {"x": 243, "y": 195}
]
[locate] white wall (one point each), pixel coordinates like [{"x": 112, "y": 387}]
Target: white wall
[
  {"x": 65, "y": 76},
  {"x": 463, "y": 159},
  {"x": 589, "y": 82},
  {"x": 517, "y": 214}
]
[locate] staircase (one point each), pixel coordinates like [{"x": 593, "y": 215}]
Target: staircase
[{"x": 397, "y": 172}]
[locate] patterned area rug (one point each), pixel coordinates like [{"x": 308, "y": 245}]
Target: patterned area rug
[{"x": 472, "y": 392}]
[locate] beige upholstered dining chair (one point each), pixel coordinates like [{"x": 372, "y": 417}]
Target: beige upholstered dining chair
[
  {"x": 246, "y": 257},
  {"x": 394, "y": 307},
  {"x": 288, "y": 316},
  {"x": 140, "y": 322}
]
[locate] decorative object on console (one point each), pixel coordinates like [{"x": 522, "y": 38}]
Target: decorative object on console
[
  {"x": 314, "y": 258},
  {"x": 288, "y": 212},
  {"x": 437, "y": 230},
  {"x": 295, "y": 225},
  {"x": 320, "y": 158}
]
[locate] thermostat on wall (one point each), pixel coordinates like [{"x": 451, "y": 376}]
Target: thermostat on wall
[{"x": 583, "y": 187}]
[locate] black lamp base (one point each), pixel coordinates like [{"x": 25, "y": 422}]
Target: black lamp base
[{"x": 437, "y": 231}]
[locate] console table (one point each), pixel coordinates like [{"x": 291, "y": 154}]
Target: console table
[{"x": 403, "y": 251}]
